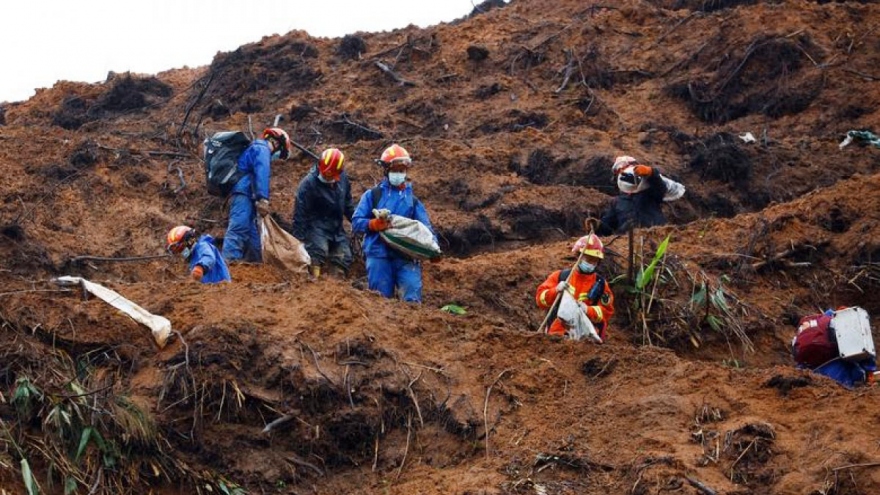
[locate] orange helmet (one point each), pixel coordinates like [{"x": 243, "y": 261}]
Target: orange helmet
[
  {"x": 589, "y": 245},
  {"x": 179, "y": 238},
  {"x": 283, "y": 139},
  {"x": 395, "y": 154},
  {"x": 331, "y": 164}
]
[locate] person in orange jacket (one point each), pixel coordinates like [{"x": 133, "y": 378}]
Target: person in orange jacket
[{"x": 588, "y": 288}]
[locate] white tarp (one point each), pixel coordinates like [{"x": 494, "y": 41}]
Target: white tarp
[{"x": 159, "y": 325}]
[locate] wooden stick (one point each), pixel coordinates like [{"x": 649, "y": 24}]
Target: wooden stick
[
  {"x": 486, "y": 409},
  {"x": 850, "y": 466},
  {"x": 700, "y": 486},
  {"x": 394, "y": 75},
  {"x": 545, "y": 327}
]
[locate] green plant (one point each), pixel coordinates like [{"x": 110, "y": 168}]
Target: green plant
[
  {"x": 713, "y": 308},
  {"x": 642, "y": 290},
  {"x": 25, "y": 397}
]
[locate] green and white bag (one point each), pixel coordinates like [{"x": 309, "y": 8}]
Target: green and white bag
[{"x": 410, "y": 237}]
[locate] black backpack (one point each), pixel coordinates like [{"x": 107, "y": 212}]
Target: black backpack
[{"x": 221, "y": 161}]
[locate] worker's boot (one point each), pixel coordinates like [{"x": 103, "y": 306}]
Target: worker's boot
[
  {"x": 315, "y": 271},
  {"x": 336, "y": 271}
]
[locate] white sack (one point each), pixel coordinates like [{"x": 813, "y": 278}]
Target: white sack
[
  {"x": 159, "y": 325},
  {"x": 575, "y": 320}
]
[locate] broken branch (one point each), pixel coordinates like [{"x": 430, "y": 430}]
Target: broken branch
[{"x": 394, "y": 75}]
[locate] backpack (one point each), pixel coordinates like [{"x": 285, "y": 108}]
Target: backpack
[
  {"x": 815, "y": 343},
  {"x": 222, "y": 151}
]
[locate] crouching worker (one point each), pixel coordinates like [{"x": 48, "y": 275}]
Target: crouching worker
[
  {"x": 323, "y": 200},
  {"x": 206, "y": 264},
  {"x": 388, "y": 268},
  {"x": 837, "y": 344},
  {"x": 588, "y": 288}
]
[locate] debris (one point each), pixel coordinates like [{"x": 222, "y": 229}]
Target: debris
[
  {"x": 394, "y": 75},
  {"x": 454, "y": 309},
  {"x": 159, "y": 325},
  {"x": 748, "y": 137},
  {"x": 867, "y": 136}
]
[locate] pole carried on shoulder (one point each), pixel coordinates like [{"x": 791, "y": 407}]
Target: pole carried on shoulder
[{"x": 545, "y": 325}]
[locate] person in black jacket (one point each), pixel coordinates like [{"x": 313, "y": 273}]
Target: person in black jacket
[
  {"x": 322, "y": 200},
  {"x": 642, "y": 193}
]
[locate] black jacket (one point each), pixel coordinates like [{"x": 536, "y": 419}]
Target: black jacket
[
  {"x": 643, "y": 209},
  {"x": 320, "y": 207}
]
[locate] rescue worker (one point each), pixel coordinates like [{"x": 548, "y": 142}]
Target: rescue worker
[
  {"x": 323, "y": 199},
  {"x": 642, "y": 193},
  {"x": 206, "y": 265},
  {"x": 387, "y": 268},
  {"x": 250, "y": 195},
  {"x": 586, "y": 286}
]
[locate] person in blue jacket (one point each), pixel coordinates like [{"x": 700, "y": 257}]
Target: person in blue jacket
[
  {"x": 250, "y": 195},
  {"x": 323, "y": 200},
  {"x": 388, "y": 269},
  {"x": 206, "y": 265}
]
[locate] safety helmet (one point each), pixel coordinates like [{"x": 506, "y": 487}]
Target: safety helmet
[
  {"x": 179, "y": 238},
  {"x": 395, "y": 154},
  {"x": 283, "y": 140},
  {"x": 621, "y": 162},
  {"x": 330, "y": 164},
  {"x": 590, "y": 245}
]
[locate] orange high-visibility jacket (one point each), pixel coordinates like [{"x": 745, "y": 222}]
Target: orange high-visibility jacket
[{"x": 580, "y": 283}]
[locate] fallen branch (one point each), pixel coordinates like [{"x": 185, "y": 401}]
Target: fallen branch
[
  {"x": 867, "y": 77},
  {"x": 700, "y": 486},
  {"x": 348, "y": 122},
  {"x": 78, "y": 259},
  {"x": 569, "y": 69},
  {"x": 788, "y": 252},
  {"x": 850, "y": 466},
  {"x": 299, "y": 462},
  {"x": 280, "y": 421},
  {"x": 486, "y": 409},
  {"x": 394, "y": 75}
]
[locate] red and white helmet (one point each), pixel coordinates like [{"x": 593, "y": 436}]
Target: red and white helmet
[
  {"x": 590, "y": 245},
  {"x": 395, "y": 154},
  {"x": 331, "y": 164},
  {"x": 179, "y": 238},
  {"x": 283, "y": 139},
  {"x": 621, "y": 162}
]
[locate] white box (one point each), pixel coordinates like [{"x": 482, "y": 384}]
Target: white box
[{"x": 853, "y": 332}]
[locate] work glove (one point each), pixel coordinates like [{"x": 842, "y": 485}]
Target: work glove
[
  {"x": 197, "y": 273},
  {"x": 562, "y": 286},
  {"x": 643, "y": 170},
  {"x": 379, "y": 224},
  {"x": 263, "y": 207},
  {"x": 383, "y": 213}
]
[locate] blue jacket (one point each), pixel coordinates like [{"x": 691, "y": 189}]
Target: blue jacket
[
  {"x": 401, "y": 202},
  {"x": 207, "y": 255},
  {"x": 320, "y": 207},
  {"x": 254, "y": 162}
]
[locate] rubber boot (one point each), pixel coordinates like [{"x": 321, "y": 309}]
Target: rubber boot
[
  {"x": 336, "y": 271},
  {"x": 315, "y": 270}
]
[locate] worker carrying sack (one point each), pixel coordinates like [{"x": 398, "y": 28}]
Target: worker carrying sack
[
  {"x": 222, "y": 151},
  {"x": 408, "y": 236}
]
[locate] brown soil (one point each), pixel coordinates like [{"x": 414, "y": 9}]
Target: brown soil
[{"x": 513, "y": 116}]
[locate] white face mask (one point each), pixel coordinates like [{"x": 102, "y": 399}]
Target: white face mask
[
  {"x": 275, "y": 156},
  {"x": 186, "y": 253},
  {"x": 396, "y": 178},
  {"x": 586, "y": 267}
]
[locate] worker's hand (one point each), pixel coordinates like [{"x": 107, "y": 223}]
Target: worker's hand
[
  {"x": 197, "y": 273},
  {"x": 643, "y": 170},
  {"x": 562, "y": 286},
  {"x": 263, "y": 207},
  {"x": 379, "y": 224}
]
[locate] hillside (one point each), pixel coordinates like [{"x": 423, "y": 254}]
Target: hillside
[{"x": 513, "y": 116}]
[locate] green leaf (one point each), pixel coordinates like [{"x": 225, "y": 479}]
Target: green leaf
[
  {"x": 699, "y": 297},
  {"x": 83, "y": 442},
  {"x": 714, "y": 322},
  {"x": 454, "y": 309},
  {"x": 69, "y": 485},
  {"x": 646, "y": 275},
  {"x": 30, "y": 483}
]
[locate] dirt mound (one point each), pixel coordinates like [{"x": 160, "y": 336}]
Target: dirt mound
[{"x": 513, "y": 115}]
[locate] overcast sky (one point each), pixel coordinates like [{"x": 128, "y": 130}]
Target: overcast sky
[{"x": 82, "y": 40}]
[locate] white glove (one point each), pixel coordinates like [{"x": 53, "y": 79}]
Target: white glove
[
  {"x": 562, "y": 286},
  {"x": 383, "y": 213}
]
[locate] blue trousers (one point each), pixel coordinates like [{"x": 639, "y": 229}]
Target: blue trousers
[
  {"x": 384, "y": 274},
  {"x": 242, "y": 240}
]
